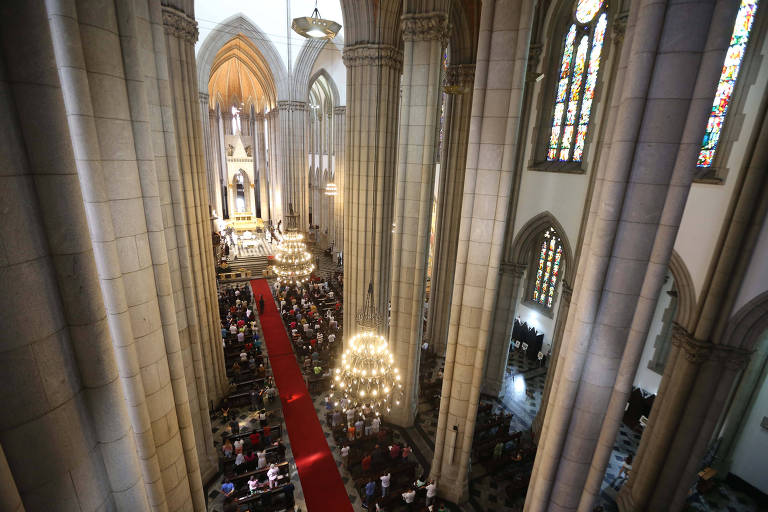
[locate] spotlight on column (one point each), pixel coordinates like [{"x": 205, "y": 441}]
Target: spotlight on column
[
  {"x": 315, "y": 27},
  {"x": 330, "y": 189}
]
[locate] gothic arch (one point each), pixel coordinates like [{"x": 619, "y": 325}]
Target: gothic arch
[
  {"x": 226, "y": 30},
  {"x": 332, "y": 87},
  {"x": 686, "y": 294},
  {"x": 520, "y": 250},
  {"x": 746, "y": 327}
]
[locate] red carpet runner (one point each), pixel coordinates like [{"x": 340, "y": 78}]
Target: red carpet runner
[{"x": 320, "y": 479}]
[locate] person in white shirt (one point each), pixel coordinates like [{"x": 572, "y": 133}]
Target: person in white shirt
[
  {"x": 385, "y": 483},
  {"x": 239, "y": 463},
  {"x": 345, "y": 455},
  {"x": 243, "y": 354},
  {"x": 375, "y": 425},
  {"x": 253, "y": 484},
  {"x": 238, "y": 445},
  {"x": 331, "y": 338},
  {"x": 409, "y": 496},
  {"x": 241, "y": 338},
  {"x": 262, "y": 459},
  {"x": 431, "y": 492},
  {"x": 272, "y": 475},
  {"x": 350, "y": 417},
  {"x": 233, "y": 329}
]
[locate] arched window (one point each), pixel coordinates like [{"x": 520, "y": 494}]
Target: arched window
[
  {"x": 728, "y": 76},
  {"x": 579, "y": 65},
  {"x": 548, "y": 268},
  {"x": 239, "y": 192}
]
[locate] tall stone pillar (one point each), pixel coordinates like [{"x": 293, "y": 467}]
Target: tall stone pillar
[
  {"x": 210, "y": 155},
  {"x": 627, "y": 253},
  {"x": 61, "y": 385},
  {"x": 217, "y": 200},
  {"x": 337, "y": 157},
  {"x": 373, "y": 61},
  {"x": 497, "y": 102},
  {"x": 425, "y": 35},
  {"x": 292, "y": 159},
  {"x": 498, "y": 346},
  {"x": 260, "y": 156},
  {"x": 453, "y": 163},
  {"x": 275, "y": 175}
]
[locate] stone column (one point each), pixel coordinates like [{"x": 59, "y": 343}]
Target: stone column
[
  {"x": 292, "y": 159},
  {"x": 217, "y": 199},
  {"x": 339, "y": 126},
  {"x": 425, "y": 35},
  {"x": 453, "y": 163},
  {"x": 61, "y": 380},
  {"x": 260, "y": 156},
  {"x": 275, "y": 176},
  {"x": 497, "y": 102},
  {"x": 373, "y": 63},
  {"x": 210, "y": 156},
  {"x": 627, "y": 254},
  {"x": 504, "y": 317}
]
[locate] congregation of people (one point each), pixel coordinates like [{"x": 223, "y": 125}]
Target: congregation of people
[{"x": 252, "y": 457}]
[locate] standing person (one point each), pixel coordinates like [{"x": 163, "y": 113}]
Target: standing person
[
  {"x": 431, "y": 492},
  {"x": 370, "y": 490},
  {"x": 408, "y": 497},
  {"x": 253, "y": 484},
  {"x": 345, "y": 455},
  {"x": 385, "y": 483},
  {"x": 261, "y": 304},
  {"x": 272, "y": 476},
  {"x": 262, "y": 459}
]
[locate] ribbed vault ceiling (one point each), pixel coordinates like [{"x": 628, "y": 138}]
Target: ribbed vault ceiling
[{"x": 240, "y": 76}]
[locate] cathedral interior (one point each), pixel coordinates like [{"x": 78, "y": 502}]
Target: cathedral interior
[{"x": 422, "y": 255}]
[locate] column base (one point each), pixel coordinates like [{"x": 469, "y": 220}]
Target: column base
[
  {"x": 624, "y": 500},
  {"x": 453, "y": 489},
  {"x": 403, "y": 416}
]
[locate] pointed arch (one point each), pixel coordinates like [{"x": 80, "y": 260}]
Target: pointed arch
[
  {"x": 331, "y": 84},
  {"x": 520, "y": 250},
  {"x": 686, "y": 293},
  {"x": 223, "y": 32},
  {"x": 746, "y": 327}
]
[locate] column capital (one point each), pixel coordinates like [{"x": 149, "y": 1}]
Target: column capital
[
  {"x": 292, "y": 105},
  {"x": 204, "y": 96},
  {"x": 516, "y": 269},
  {"x": 534, "y": 54},
  {"x": 373, "y": 55},
  {"x": 460, "y": 75},
  {"x": 620, "y": 26},
  {"x": 178, "y": 24},
  {"x": 697, "y": 351},
  {"x": 427, "y": 26},
  {"x": 340, "y": 110}
]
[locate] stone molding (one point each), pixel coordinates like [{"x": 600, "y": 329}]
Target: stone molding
[
  {"x": 429, "y": 26},
  {"x": 178, "y": 24},
  {"x": 534, "y": 55},
  {"x": 619, "y": 27},
  {"x": 698, "y": 352},
  {"x": 292, "y": 105},
  {"x": 373, "y": 55},
  {"x": 340, "y": 110},
  {"x": 516, "y": 269},
  {"x": 460, "y": 75}
]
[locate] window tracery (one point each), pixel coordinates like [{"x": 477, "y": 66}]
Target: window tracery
[
  {"x": 728, "y": 77},
  {"x": 548, "y": 268},
  {"x": 576, "y": 89}
]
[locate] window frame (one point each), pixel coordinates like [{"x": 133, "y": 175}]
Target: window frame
[{"x": 533, "y": 265}]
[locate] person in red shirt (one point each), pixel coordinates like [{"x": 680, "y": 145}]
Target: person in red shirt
[
  {"x": 255, "y": 439},
  {"x": 313, "y": 342},
  {"x": 394, "y": 451},
  {"x": 266, "y": 431},
  {"x": 366, "y": 462},
  {"x": 240, "y": 323},
  {"x": 250, "y": 460}
]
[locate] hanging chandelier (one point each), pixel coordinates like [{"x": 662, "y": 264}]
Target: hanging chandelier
[
  {"x": 367, "y": 375},
  {"x": 293, "y": 263},
  {"x": 315, "y": 27},
  {"x": 330, "y": 189}
]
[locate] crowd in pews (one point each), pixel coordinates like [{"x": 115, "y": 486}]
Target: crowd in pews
[
  {"x": 252, "y": 457},
  {"x": 313, "y": 317}
]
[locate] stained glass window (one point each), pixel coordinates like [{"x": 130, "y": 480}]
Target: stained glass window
[
  {"x": 728, "y": 76},
  {"x": 548, "y": 270},
  {"x": 575, "y": 89}
]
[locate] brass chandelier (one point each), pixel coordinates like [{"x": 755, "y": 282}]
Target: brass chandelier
[
  {"x": 293, "y": 263},
  {"x": 367, "y": 376},
  {"x": 315, "y": 27}
]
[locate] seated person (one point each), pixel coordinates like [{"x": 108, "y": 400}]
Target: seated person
[{"x": 227, "y": 487}]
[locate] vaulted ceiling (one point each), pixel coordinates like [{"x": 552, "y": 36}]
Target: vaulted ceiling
[{"x": 240, "y": 76}]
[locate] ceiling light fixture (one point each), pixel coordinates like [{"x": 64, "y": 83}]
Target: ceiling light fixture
[{"x": 315, "y": 27}]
